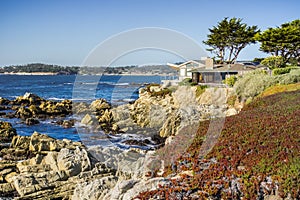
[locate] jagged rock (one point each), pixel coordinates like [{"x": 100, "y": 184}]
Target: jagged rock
[
  {"x": 171, "y": 126},
  {"x": 66, "y": 123},
  {"x": 20, "y": 142},
  {"x": 4, "y": 107},
  {"x": 27, "y": 99},
  {"x": 100, "y": 104},
  {"x": 35, "y": 111},
  {"x": 73, "y": 162},
  {"x": 89, "y": 120},
  {"x": 23, "y": 113},
  {"x": 94, "y": 190},
  {"x": 128, "y": 163},
  {"x": 128, "y": 189},
  {"x": 7, "y": 189},
  {"x": 81, "y": 108},
  {"x": 120, "y": 188},
  {"x": 7, "y": 132},
  {"x": 31, "y": 121},
  {"x": 4, "y": 101},
  {"x": 52, "y": 108},
  {"x": 231, "y": 111}
]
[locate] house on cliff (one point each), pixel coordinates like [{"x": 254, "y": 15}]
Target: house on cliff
[{"x": 205, "y": 71}]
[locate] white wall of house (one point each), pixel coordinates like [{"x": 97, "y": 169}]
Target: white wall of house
[{"x": 182, "y": 72}]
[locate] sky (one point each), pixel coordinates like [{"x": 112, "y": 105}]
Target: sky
[{"x": 65, "y": 32}]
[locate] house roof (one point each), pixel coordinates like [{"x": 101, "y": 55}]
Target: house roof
[
  {"x": 177, "y": 67},
  {"x": 226, "y": 68}
]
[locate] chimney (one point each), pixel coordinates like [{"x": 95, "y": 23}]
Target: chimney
[{"x": 209, "y": 63}]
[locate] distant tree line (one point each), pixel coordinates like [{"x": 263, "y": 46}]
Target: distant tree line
[
  {"x": 63, "y": 70},
  {"x": 39, "y": 67}
]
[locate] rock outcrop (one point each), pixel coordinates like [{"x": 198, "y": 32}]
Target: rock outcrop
[
  {"x": 39, "y": 167},
  {"x": 98, "y": 115},
  {"x": 7, "y": 132},
  {"x": 165, "y": 112}
]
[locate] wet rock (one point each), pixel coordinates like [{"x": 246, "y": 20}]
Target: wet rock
[
  {"x": 99, "y": 105},
  {"x": 27, "y": 99},
  {"x": 66, "y": 123},
  {"x": 81, "y": 108},
  {"x": 4, "y": 107},
  {"x": 23, "y": 113},
  {"x": 31, "y": 121},
  {"x": 4, "y": 101},
  {"x": 7, "y": 132},
  {"x": 137, "y": 142},
  {"x": 100, "y": 114}
]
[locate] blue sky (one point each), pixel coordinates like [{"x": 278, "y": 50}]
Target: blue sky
[{"x": 65, "y": 31}]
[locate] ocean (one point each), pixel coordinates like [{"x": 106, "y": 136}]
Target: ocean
[{"x": 115, "y": 89}]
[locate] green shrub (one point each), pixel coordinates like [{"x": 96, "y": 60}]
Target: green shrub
[
  {"x": 252, "y": 84},
  {"x": 273, "y": 62},
  {"x": 231, "y": 100},
  {"x": 292, "y": 77},
  {"x": 230, "y": 81},
  {"x": 200, "y": 90},
  {"x": 285, "y": 70},
  {"x": 186, "y": 82},
  {"x": 162, "y": 93}
]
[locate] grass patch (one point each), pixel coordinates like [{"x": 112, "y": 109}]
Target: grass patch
[{"x": 280, "y": 88}]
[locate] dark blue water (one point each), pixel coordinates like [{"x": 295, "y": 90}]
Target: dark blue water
[
  {"x": 115, "y": 89},
  {"x": 112, "y": 88}
]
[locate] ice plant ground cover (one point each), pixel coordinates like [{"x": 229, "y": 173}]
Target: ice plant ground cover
[{"x": 257, "y": 154}]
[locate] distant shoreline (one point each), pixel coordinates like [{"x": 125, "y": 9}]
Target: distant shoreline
[
  {"x": 57, "y": 74},
  {"x": 32, "y": 73}
]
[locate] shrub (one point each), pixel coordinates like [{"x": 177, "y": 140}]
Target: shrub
[
  {"x": 230, "y": 81},
  {"x": 186, "y": 82},
  {"x": 253, "y": 84},
  {"x": 285, "y": 70},
  {"x": 200, "y": 90},
  {"x": 292, "y": 77},
  {"x": 273, "y": 62},
  {"x": 231, "y": 100}
]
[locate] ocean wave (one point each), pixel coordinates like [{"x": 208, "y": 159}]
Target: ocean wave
[
  {"x": 56, "y": 99},
  {"x": 104, "y": 83}
]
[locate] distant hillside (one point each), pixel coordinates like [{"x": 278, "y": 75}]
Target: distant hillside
[{"x": 122, "y": 70}]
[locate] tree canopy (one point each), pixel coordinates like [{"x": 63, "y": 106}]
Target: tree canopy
[
  {"x": 282, "y": 41},
  {"x": 229, "y": 37}
]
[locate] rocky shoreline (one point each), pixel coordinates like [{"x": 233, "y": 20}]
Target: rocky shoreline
[{"x": 41, "y": 167}]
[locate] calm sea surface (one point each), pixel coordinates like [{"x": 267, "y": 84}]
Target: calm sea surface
[{"x": 115, "y": 89}]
